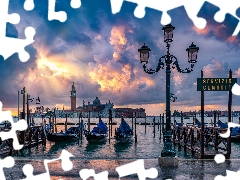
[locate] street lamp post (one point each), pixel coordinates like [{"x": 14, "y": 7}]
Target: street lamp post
[
  {"x": 31, "y": 100},
  {"x": 23, "y": 92},
  {"x": 169, "y": 60}
]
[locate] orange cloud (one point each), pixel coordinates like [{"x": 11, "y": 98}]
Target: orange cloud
[
  {"x": 237, "y": 73},
  {"x": 116, "y": 78},
  {"x": 210, "y": 68},
  {"x": 119, "y": 41},
  {"x": 201, "y": 31}
]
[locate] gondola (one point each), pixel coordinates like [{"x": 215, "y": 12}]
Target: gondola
[
  {"x": 123, "y": 133},
  {"x": 71, "y": 135},
  {"x": 98, "y": 133},
  {"x": 235, "y": 132}
]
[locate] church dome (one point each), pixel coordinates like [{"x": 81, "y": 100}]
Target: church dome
[{"x": 96, "y": 101}]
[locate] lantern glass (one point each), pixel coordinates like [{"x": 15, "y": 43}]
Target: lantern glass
[
  {"x": 192, "y": 57},
  {"x": 168, "y": 33},
  {"x": 192, "y": 53},
  {"x": 144, "y": 56},
  {"x": 144, "y": 53}
]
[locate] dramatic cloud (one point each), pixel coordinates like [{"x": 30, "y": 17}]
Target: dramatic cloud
[{"x": 98, "y": 51}]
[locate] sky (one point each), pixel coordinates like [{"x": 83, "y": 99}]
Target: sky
[{"x": 98, "y": 51}]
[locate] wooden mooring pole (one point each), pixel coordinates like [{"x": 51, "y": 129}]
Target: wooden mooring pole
[
  {"x": 160, "y": 127},
  {"x": 163, "y": 129},
  {"x": 202, "y": 122},
  {"x": 55, "y": 122},
  {"x": 66, "y": 123},
  {"x": 80, "y": 126},
  {"x": 229, "y": 117},
  {"x": 145, "y": 124},
  {"x": 135, "y": 129},
  {"x": 132, "y": 120},
  {"x": 214, "y": 118},
  {"x": 88, "y": 120},
  {"x": 181, "y": 118},
  {"x": 153, "y": 127}
]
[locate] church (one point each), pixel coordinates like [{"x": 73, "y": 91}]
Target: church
[{"x": 95, "y": 109}]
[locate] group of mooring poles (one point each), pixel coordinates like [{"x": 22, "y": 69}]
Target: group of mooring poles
[{"x": 160, "y": 126}]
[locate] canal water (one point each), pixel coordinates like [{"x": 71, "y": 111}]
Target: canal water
[{"x": 108, "y": 156}]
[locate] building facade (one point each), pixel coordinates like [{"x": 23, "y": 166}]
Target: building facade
[
  {"x": 129, "y": 113},
  {"x": 97, "y": 109}
]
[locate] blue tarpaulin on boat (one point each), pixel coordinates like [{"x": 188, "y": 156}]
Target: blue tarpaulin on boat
[
  {"x": 124, "y": 128},
  {"x": 235, "y": 130},
  {"x": 101, "y": 128}
]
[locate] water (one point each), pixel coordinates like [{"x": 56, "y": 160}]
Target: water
[{"x": 107, "y": 156}]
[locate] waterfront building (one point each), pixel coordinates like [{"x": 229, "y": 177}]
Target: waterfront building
[
  {"x": 97, "y": 109},
  {"x": 129, "y": 112}
]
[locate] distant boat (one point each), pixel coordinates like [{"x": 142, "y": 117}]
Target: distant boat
[
  {"x": 98, "y": 133},
  {"x": 123, "y": 133},
  {"x": 71, "y": 135},
  {"x": 235, "y": 133}
]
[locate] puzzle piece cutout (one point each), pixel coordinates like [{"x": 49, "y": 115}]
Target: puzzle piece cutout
[
  {"x": 236, "y": 89},
  {"x": 8, "y": 45},
  {"x": 66, "y": 166},
  {"x": 87, "y": 173},
  {"x": 137, "y": 167},
  {"x": 7, "y": 162},
  {"x": 229, "y": 175},
  {"x": 52, "y": 14},
  {"x": 15, "y": 126},
  {"x": 192, "y": 8},
  {"x": 223, "y": 29}
]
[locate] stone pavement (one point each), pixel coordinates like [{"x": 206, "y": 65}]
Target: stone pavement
[{"x": 187, "y": 169}]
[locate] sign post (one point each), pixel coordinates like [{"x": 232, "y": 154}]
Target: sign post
[{"x": 216, "y": 84}]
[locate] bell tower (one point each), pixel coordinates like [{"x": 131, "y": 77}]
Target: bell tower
[{"x": 73, "y": 98}]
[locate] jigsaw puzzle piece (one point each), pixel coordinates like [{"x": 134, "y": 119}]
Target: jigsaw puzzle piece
[
  {"x": 5, "y": 17},
  {"x": 7, "y": 162},
  {"x": 9, "y": 46},
  {"x": 224, "y": 29},
  {"x": 60, "y": 15},
  {"x": 137, "y": 167},
  {"x": 140, "y": 12},
  {"x": 28, "y": 172},
  {"x": 87, "y": 173},
  {"x": 66, "y": 166},
  {"x": 226, "y": 7},
  {"x": 15, "y": 126},
  {"x": 28, "y": 5},
  {"x": 229, "y": 175}
]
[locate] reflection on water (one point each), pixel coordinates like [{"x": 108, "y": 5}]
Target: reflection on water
[
  {"x": 122, "y": 147},
  {"x": 94, "y": 146},
  {"x": 56, "y": 147}
]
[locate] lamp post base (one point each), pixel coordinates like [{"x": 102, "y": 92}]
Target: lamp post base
[{"x": 168, "y": 161}]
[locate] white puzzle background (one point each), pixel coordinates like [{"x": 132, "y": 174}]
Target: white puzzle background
[{"x": 9, "y": 46}]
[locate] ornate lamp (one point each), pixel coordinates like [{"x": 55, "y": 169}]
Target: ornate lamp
[
  {"x": 192, "y": 53},
  {"x": 144, "y": 53},
  {"x": 168, "y": 33}
]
